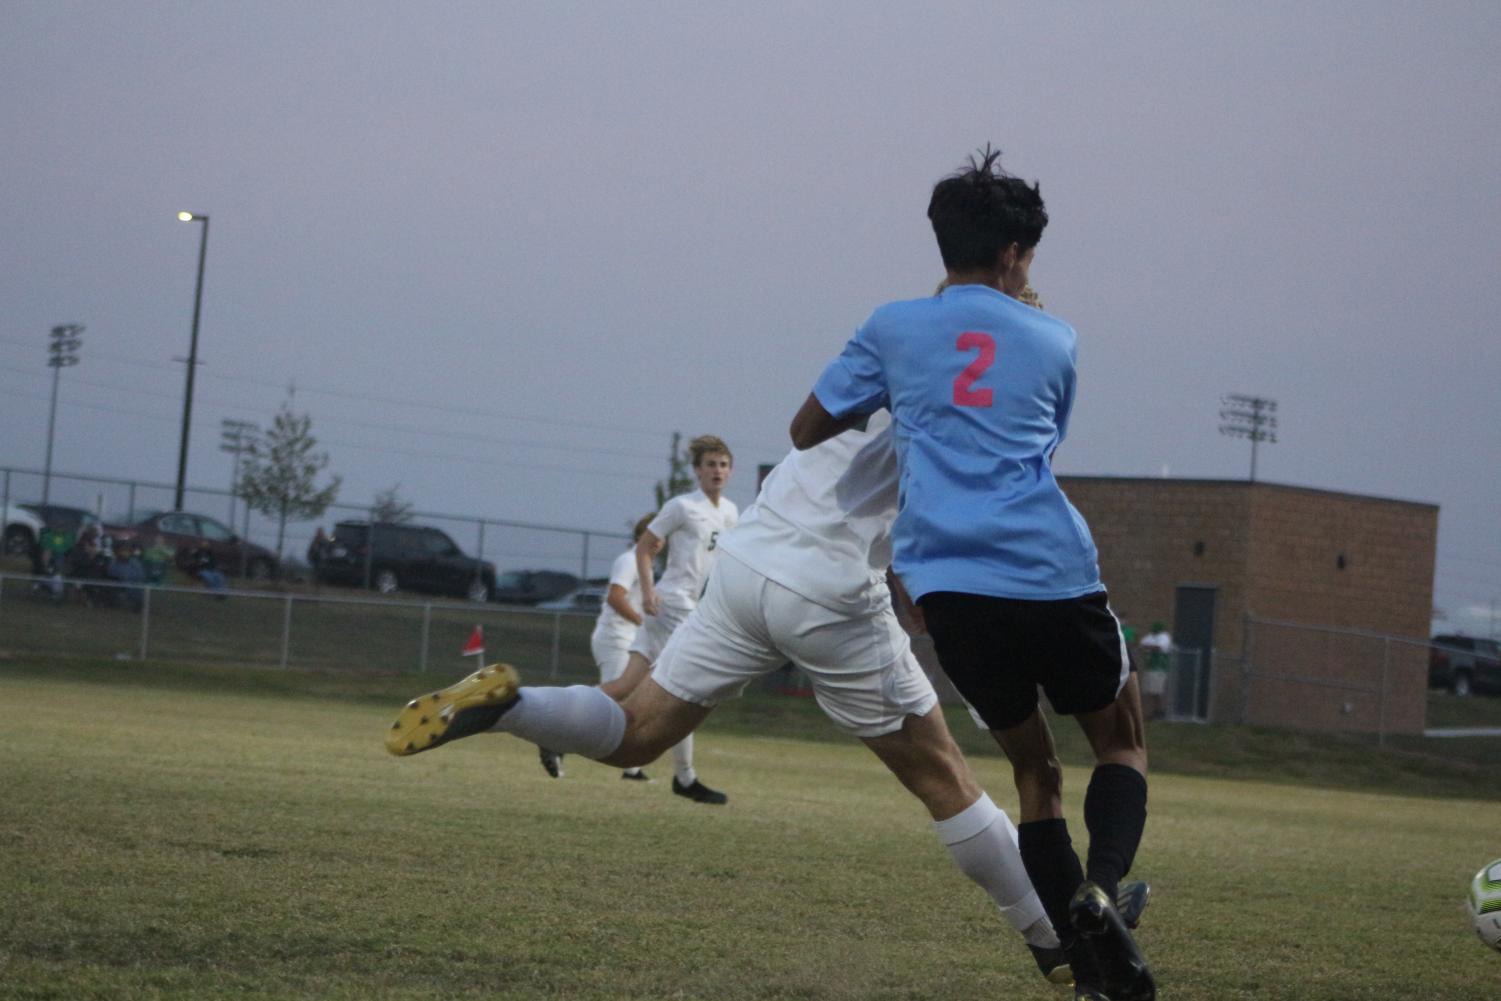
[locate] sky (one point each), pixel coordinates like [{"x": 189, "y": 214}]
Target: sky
[{"x": 500, "y": 252}]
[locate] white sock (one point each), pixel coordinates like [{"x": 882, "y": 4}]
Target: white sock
[
  {"x": 982, "y": 841},
  {"x": 682, "y": 761},
  {"x": 579, "y": 719}
]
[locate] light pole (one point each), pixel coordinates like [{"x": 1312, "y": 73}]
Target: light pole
[
  {"x": 187, "y": 403},
  {"x": 236, "y": 437},
  {"x": 64, "y": 353},
  {"x": 1252, "y": 417}
]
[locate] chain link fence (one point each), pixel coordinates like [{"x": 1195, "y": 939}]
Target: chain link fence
[
  {"x": 342, "y": 632},
  {"x": 510, "y": 545},
  {"x": 1304, "y": 677}
]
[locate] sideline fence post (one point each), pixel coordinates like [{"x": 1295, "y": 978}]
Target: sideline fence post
[
  {"x": 557, "y": 631},
  {"x": 145, "y": 621},
  {"x": 1386, "y": 657},
  {"x": 427, "y": 624},
  {"x": 286, "y": 633},
  {"x": 1247, "y": 669}
]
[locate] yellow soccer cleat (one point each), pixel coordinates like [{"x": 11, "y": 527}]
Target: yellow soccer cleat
[{"x": 464, "y": 708}]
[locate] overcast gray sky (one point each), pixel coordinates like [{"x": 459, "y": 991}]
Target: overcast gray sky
[{"x": 505, "y": 249}]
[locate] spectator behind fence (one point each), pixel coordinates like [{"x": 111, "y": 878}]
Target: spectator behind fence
[
  {"x": 202, "y": 566},
  {"x": 316, "y": 550},
  {"x": 87, "y": 561},
  {"x": 128, "y": 568},
  {"x": 1157, "y": 645},
  {"x": 157, "y": 560},
  {"x": 48, "y": 557}
]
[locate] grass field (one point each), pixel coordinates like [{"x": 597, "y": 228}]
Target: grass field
[{"x": 180, "y": 832}]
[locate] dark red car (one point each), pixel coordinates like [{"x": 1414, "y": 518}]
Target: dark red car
[{"x": 185, "y": 532}]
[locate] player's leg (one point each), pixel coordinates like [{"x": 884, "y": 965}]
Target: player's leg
[
  {"x": 867, "y": 680},
  {"x": 1093, "y": 682},
  {"x": 658, "y": 720},
  {"x": 611, "y": 656},
  {"x": 979, "y": 837}
]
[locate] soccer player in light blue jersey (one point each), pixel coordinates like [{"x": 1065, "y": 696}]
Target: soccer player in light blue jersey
[{"x": 980, "y": 387}]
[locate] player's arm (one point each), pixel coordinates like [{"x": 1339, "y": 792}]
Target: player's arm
[
  {"x": 619, "y": 599},
  {"x": 647, "y": 548},
  {"x": 814, "y": 425},
  {"x": 851, "y": 388}
]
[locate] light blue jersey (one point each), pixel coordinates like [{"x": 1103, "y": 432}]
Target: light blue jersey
[{"x": 980, "y": 387}]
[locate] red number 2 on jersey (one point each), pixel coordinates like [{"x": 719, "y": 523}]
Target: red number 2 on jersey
[{"x": 964, "y": 394}]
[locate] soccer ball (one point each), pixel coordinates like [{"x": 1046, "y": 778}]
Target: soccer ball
[{"x": 1485, "y": 904}]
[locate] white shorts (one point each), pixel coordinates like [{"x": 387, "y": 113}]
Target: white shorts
[
  {"x": 656, "y": 630},
  {"x": 610, "y": 654},
  {"x": 861, "y": 667}
]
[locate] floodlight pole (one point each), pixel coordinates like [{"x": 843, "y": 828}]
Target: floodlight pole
[
  {"x": 187, "y": 403},
  {"x": 1252, "y": 417},
  {"x": 63, "y": 351}
]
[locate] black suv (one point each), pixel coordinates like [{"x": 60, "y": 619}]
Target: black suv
[
  {"x": 1465, "y": 664},
  {"x": 410, "y": 557}
]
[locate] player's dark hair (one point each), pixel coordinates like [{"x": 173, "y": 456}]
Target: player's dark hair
[
  {"x": 980, "y": 210},
  {"x": 640, "y": 528}
]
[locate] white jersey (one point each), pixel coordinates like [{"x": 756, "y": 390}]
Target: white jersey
[
  {"x": 611, "y": 625},
  {"x": 821, "y": 526},
  {"x": 691, "y": 525}
]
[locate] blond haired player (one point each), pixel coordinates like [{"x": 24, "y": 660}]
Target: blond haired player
[{"x": 689, "y": 525}]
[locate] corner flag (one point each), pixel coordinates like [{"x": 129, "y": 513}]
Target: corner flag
[{"x": 476, "y": 645}]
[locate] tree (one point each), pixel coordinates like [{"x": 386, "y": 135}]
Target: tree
[
  {"x": 678, "y": 481},
  {"x": 279, "y": 471},
  {"x": 389, "y": 507}
]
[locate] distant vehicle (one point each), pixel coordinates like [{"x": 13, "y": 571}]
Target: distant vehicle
[
  {"x": 22, "y": 529},
  {"x": 405, "y": 557},
  {"x": 62, "y": 518},
  {"x": 589, "y": 598},
  {"x": 185, "y": 532},
  {"x": 1465, "y": 664},
  {"x": 532, "y": 587}
]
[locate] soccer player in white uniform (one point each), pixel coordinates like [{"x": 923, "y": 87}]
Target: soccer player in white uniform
[
  {"x": 619, "y": 618},
  {"x": 802, "y": 578},
  {"x": 689, "y": 525}
]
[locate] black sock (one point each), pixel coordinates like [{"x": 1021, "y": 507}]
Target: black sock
[
  {"x": 1048, "y": 854},
  {"x": 1115, "y": 811}
]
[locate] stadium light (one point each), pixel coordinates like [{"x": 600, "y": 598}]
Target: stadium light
[
  {"x": 187, "y": 403},
  {"x": 1250, "y": 417},
  {"x": 63, "y": 353}
]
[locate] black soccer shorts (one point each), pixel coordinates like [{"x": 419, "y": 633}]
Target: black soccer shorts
[{"x": 997, "y": 651}]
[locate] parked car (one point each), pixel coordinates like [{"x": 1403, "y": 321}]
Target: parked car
[
  {"x": 185, "y": 532},
  {"x": 532, "y": 587},
  {"x": 62, "y": 518},
  {"x": 588, "y": 598},
  {"x": 1465, "y": 664},
  {"x": 405, "y": 557},
  {"x": 22, "y": 529}
]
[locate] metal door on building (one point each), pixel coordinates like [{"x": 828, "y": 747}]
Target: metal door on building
[{"x": 1193, "y": 630}]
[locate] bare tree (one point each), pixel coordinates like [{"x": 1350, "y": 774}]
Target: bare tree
[{"x": 279, "y": 473}]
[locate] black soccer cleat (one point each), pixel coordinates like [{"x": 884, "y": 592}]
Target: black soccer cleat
[
  {"x": 1052, "y": 960},
  {"x": 699, "y": 793},
  {"x": 1131, "y": 899},
  {"x": 635, "y": 775},
  {"x": 1124, "y": 973},
  {"x": 552, "y": 762}
]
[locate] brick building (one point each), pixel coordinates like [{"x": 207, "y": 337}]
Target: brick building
[{"x": 1203, "y": 555}]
